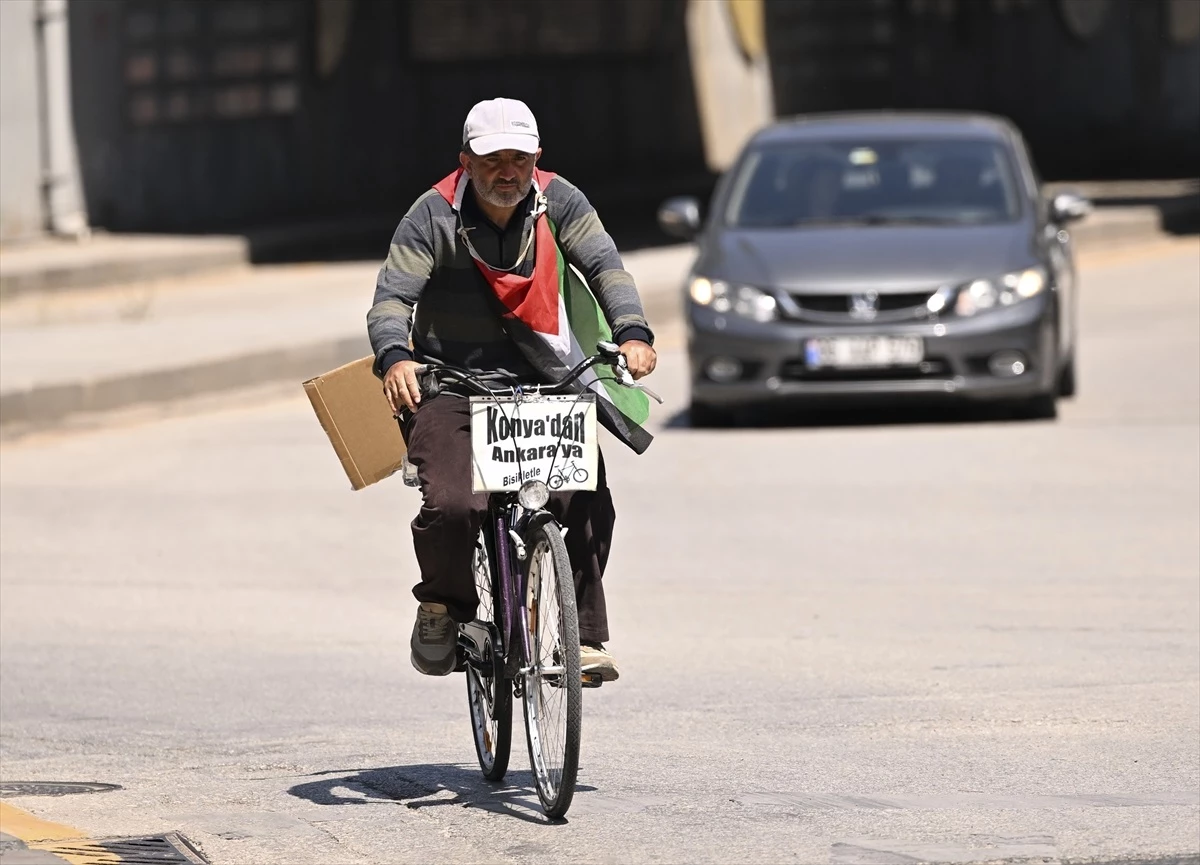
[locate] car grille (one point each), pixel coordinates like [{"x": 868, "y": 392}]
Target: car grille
[
  {"x": 931, "y": 368},
  {"x": 836, "y": 308}
]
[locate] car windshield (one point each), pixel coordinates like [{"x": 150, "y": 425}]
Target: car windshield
[{"x": 947, "y": 181}]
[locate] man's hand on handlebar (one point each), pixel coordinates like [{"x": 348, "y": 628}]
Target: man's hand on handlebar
[
  {"x": 640, "y": 357},
  {"x": 402, "y": 382},
  {"x": 401, "y": 387}
]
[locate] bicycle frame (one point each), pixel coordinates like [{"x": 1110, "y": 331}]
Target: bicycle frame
[
  {"x": 512, "y": 641},
  {"x": 511, "y": 580},
  {"x": 506, "y": 590}
]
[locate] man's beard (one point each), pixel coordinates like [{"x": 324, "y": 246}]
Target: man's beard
[{"x": 502, "y": 198}]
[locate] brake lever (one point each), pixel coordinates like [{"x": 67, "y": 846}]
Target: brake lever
[
  {"x": 609, "y": 349},
  {"x": 658, "y": 399},
  {"x": 625, "y": 378}
]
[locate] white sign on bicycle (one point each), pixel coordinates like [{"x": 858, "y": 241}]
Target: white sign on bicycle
[{"x": 546, "y": 438}]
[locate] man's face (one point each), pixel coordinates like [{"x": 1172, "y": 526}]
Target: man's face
[{"x": 503, "y": 178}]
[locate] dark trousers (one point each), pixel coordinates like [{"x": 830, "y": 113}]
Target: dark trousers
[{"x": 438, "y": 436}]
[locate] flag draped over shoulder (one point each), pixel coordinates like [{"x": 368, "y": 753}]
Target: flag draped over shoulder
[{"x": 554, "y": 317}]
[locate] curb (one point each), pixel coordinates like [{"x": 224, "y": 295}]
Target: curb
[
  {"x": 1121, "y": 225},
  {"x": 43, "y": 407},
  {"x": 102, "y": 262},
  {"x": 40, "y": 408}
]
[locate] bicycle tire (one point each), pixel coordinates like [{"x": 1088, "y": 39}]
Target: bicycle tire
[
  {"x": 553, "y": 742},
  {"x": 489, "y": 700},
  {"x": 555, "y": 481}
]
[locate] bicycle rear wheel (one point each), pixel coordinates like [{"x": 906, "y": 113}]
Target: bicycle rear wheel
[
  {"x": 489, "y": 694},
  {"x": 552, "y": 687}
]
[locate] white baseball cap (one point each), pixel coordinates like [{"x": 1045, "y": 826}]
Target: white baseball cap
[{"x": 500, "y": 124}]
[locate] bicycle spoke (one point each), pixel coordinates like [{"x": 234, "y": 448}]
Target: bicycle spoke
[{"x": 489, "y": 697}]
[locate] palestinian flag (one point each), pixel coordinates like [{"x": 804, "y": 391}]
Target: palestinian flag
[{"x": 554, "y": 318}]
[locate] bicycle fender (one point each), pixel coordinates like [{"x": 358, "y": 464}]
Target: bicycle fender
[{"x": 536, "y": 520}]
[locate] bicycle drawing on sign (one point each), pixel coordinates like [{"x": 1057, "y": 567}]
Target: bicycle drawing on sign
[{"x": 569, "y": 472}]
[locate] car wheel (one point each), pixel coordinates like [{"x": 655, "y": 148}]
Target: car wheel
[
  {"x": 704, "y": 415},
  {"x": 1066, "y": 379},
  {"x": 1041, "y": 407}
]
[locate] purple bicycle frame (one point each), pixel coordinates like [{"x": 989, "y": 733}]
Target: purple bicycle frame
[{"x": 511, "y": 580}]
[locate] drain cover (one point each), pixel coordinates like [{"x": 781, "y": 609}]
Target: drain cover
[
  {"x": 169, "y": 849},
  {"x": 51, "y": 788}
]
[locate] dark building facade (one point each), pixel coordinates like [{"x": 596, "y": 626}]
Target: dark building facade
[
  {"x": 1101, "y": 88},
  {"x": 193, "y": 115}
]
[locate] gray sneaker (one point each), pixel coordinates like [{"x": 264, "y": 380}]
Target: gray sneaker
[
  {"x": 434, "y": 641},
  {"x": 595, "y": 659}
]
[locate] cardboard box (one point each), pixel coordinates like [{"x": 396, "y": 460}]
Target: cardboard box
[{"x": 355, "y": 414}]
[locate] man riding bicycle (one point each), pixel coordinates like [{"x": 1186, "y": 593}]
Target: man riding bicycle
[{"x": 473, "y": 279}]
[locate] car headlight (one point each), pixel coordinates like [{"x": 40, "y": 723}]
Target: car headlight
[
  {"x": 744, "y": 300},
  {"x": 984, "y": 294}
]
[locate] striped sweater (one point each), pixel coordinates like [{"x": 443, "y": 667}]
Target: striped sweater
[{"x": 431, "y": 290}]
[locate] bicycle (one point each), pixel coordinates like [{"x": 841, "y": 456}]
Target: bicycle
[{"x": 524, "y": 641}]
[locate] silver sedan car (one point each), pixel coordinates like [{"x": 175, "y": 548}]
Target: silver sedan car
[{"x": 880, "y": 256}]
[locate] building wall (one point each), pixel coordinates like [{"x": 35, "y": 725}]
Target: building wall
[
  {"x": 210, "y": 116},
  {"x": 20, "y": 165},
  {"x": 203, "y": 116},
  {"x": 1100, "y": 88}
]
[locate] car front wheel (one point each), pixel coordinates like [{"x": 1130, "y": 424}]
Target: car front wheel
[
  {"x": 1067, "y": 384},
  {"x": 702, "y": 415},
  {"x": 1041, "y": 407}
]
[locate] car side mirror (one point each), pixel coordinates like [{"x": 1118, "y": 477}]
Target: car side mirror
[
  {"x": 1069, "y": 207},
  {"x": 680, "y": 217}
]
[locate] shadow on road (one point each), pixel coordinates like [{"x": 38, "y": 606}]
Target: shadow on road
[
  {"x": 435, "y": 785},
  {"x": 835, "y": 416},
  {"x": 1178, "y": 214}
]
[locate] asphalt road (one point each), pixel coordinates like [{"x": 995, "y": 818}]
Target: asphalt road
[{"x": 879, "y": 639}]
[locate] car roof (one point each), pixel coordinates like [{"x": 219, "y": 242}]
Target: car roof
[{"x": 880, "y": 124}]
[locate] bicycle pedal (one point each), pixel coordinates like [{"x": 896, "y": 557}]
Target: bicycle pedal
[{"x": 592, "y": 680}]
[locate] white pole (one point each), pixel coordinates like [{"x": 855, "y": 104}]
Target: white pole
[{"x": 62, "y": 196}]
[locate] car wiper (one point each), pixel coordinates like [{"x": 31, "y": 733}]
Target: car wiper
[
  {"x": 836, "y": 221},
  {"x": 865, "y": 219},
  {"x": 921, "y": 219},
  {"x": 874, "y": 219}
]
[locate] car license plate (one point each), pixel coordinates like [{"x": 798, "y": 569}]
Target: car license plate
[{"x": 853, "y": 352}]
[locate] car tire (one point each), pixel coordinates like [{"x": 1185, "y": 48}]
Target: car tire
[
  {"x": 702, "y": 415},
  {"x": 1067, "y": 383},
  {"x": 1044, "y": 406}
]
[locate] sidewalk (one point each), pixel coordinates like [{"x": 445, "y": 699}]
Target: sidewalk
[{"x": 65, "y": 351}]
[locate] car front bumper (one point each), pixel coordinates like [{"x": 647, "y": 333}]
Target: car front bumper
[{"x": 772, "y": 356}]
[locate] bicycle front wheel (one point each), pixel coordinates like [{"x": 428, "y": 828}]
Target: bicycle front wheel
[{"x": 552, "y": 683}]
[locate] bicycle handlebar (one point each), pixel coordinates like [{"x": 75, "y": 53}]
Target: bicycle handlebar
[{"x": 607, "y": 353}]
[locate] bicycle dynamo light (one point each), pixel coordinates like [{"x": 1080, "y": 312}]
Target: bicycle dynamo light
[{"x": 533, "y": 495}]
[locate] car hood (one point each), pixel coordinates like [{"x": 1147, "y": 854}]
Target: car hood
[{"x": 887, "y": 258}]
